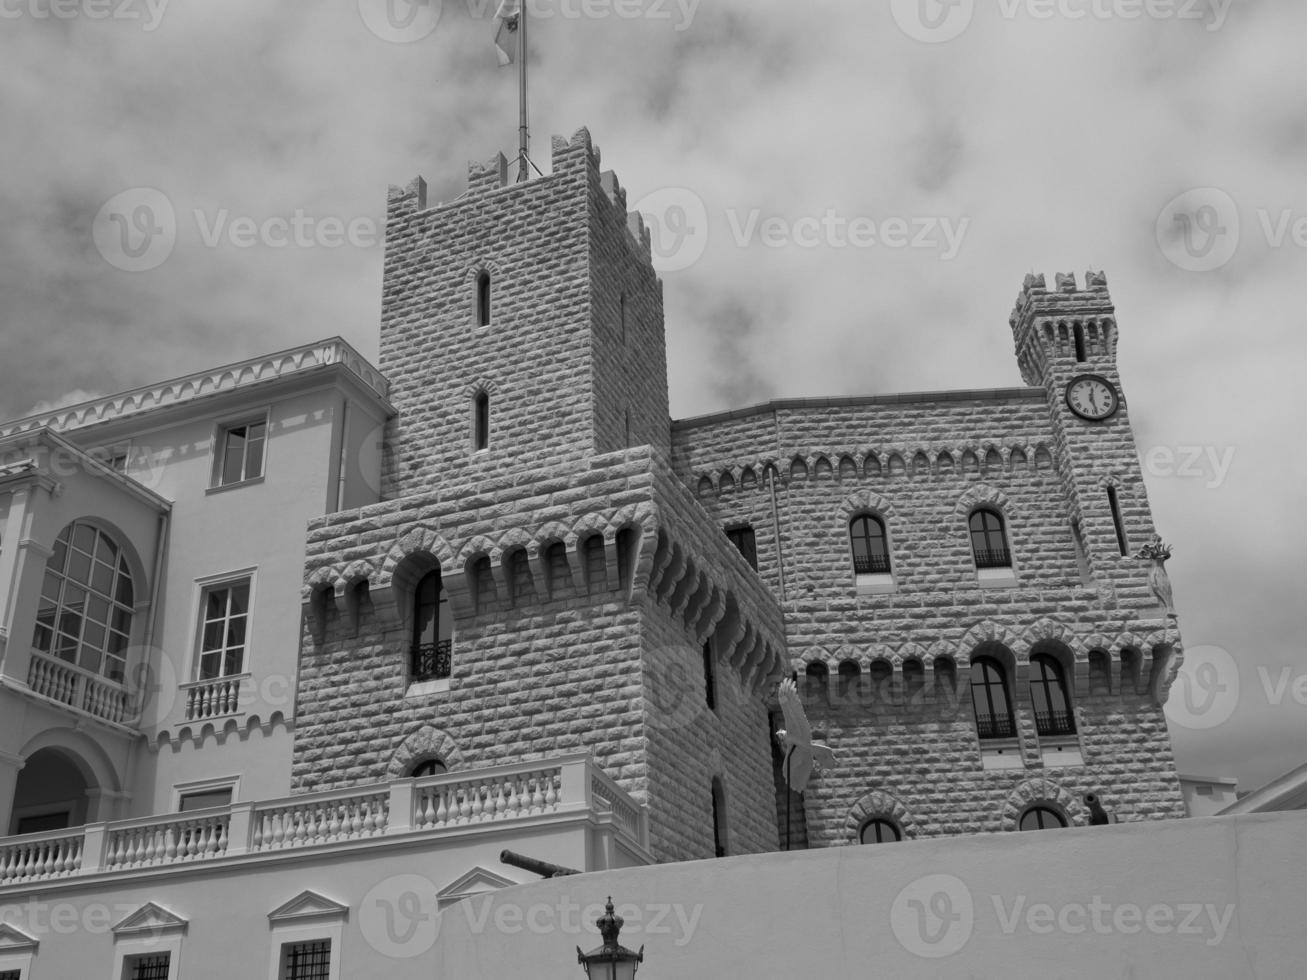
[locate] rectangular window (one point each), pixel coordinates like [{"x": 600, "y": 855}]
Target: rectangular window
[
  {"x": 11, "y": 975},
  {"x": 204, "y": 799},
  {"x": 152, "y": 966},
  {"x": 240, "y": 456},
  {"x": 743, "y": 539},
  {"x": 43, "y": 823},
  {"x": 224, "y": 619},
  {"x": 306, "y": 961},
  {"x": 1114, "y": 502}
]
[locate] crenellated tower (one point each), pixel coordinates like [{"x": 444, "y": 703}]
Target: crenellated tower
[
  {"x": 521, "y": 323},
  {"x": 1066, "y": 342}
]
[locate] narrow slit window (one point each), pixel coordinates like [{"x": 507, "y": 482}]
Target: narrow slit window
[
  {"x": 1080, "y": 343},
  {"x": 481, "y": 422},
  {"x": 483, "y": 299},
  {"x": 1115, "y": 503},
  {"x": 709, "y": 677}
]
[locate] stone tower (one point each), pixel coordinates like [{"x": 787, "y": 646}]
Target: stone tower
[
  {"x": 537, "y": 298},
  {"x": 586, "y": 601}
]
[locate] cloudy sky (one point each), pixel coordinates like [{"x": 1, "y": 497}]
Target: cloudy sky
[{"x": 1162, "y": 141}]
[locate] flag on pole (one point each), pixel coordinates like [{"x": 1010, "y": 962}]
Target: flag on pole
[{"x": 507, "y": 20}]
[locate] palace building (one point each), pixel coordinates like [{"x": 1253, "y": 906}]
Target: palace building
[{"x": 285, "y": 641}]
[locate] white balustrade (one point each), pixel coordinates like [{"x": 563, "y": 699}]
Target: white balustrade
[
  {"x": 564, "y": 787},
  {"x": 186, "y": 837},
  {"x": 320, "y": 819},
  {"x": 214, "y": 698},
  {"x": 63, "y": 682},
  {"x": 452, "y": 799},
  {"x": 37, "y": 857}
]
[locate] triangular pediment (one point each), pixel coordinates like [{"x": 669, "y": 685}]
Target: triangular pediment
[
  {"x": 14, "y": 939},
  {"x": 309, "y": 905},
  {"x": 150, "y": 918},
  {"x": 475, "y": 882}
]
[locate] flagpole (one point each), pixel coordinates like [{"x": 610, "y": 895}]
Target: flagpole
[{"x": 523, "y": 135}]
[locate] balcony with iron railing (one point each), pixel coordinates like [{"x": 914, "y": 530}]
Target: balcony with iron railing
[
  {"x": 995, "y": 726},
  {"x": 1054, "y": 723},
  {"x": 871, "y": 564},
  {"x": 993, "y": 557},
  {"x": 527, "y": 796},
  {"x": 430, "y": 661}
]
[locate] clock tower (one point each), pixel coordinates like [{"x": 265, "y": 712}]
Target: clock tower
[{"x": 1066, "y": 341}]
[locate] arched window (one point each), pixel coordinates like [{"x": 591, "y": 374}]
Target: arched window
[
  {"x": 483, "y": 299},
  {"x": 481, "y": 421},
  {"x": 558, "y": 570},
  {"x": 879, "y": 830},
  {"x": 719, "y": 832},
  {"x": 428, "y": 767},
  {"x": 87, "y": 598},
  {"x": 433, "y": 630},
  {"x": 520, "y": 583},
  {"x": 1041, "y": 818},
  {"x": 989, "y": 698},
  {"x": 1049, "y": 694},
  {"x": 988, "y": 541},
  {"x": 870, "y": 550}
]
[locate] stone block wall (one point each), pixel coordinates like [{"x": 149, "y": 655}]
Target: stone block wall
[
  {"x": 587, "y": 665},
  {"x": 799, "y": 471}
]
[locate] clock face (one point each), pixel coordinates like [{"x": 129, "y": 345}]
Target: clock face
[{"x": 1092, "y": 397}]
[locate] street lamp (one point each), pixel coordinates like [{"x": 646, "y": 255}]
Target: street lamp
[{"x": 610, "y": 961}]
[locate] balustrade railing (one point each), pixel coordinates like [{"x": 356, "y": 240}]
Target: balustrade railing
[
  {"x": 60, "y": 681},
  {"x": 213, "y": 698},
  {"x": 39, "y": 856},
  {"x": 456, "y": 798},
  {"x": 320, "y": 819},
  {"x": 570, "y": 785},
  {"x": 172, "y": 840}
]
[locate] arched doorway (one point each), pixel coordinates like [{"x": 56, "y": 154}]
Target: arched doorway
[{"x": 52, "y": 792}]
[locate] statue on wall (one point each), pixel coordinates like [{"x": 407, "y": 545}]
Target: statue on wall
[{"x": 1157, "y": 552}]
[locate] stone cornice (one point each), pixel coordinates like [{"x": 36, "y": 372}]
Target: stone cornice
[{"x": 231, "y": 377}]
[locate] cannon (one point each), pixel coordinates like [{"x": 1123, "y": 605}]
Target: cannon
[{"x": 542, "y": 868}]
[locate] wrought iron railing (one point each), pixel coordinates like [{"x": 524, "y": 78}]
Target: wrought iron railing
[
  {"x": 993, "y": 558},
  {"x": 871, "y": 564},
  {"x": 1055, "y": 723},
  {"x": 995, "y": 726},
  {"x": 431, "y": 661}
]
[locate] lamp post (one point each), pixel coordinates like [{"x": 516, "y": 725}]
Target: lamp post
[{"x": 611, "y": 961}]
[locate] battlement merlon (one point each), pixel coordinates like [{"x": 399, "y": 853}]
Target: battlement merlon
[
  {"x": 1044, "y": 322},
  {"x": 567, "y": 157}
]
